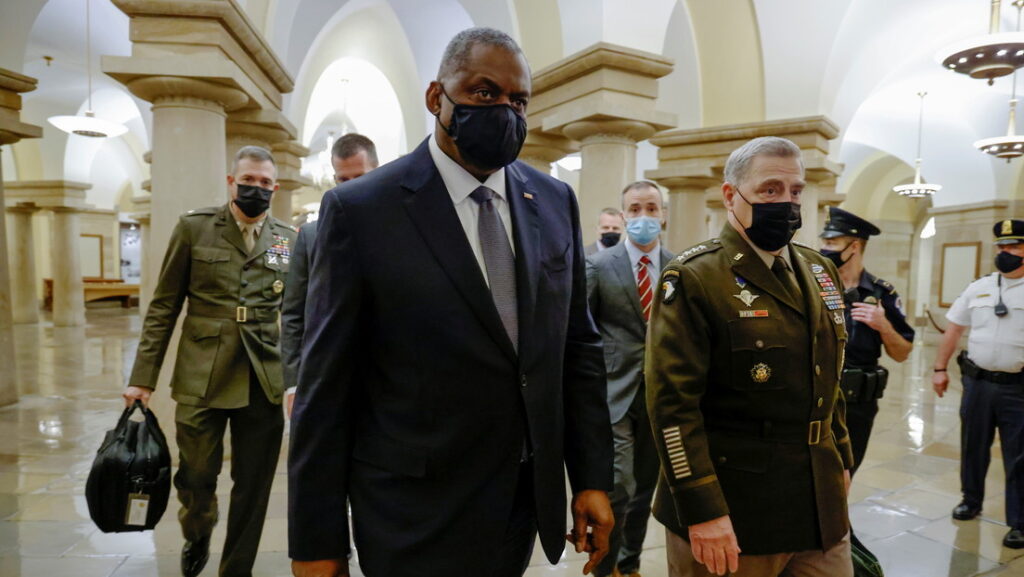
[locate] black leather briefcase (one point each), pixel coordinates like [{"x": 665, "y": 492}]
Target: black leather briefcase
[{"x": 130, "y": 480}]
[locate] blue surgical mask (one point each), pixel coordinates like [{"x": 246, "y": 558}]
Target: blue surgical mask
[{"x": 643, "y": 229}]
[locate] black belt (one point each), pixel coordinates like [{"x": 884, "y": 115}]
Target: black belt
[
  {"x": 863, "y": 385},
  {"x": 972, "y": 370},
  {"x": 809, "y": 433},
  {"x": 237, "y": 314}
]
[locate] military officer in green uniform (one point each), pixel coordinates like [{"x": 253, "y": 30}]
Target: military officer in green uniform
[
  {"x": 230, "y": 263},
  {"x": 744, "y": 355}
]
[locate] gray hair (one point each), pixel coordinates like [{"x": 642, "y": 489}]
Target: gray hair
[
  {"x": 610, "y": 212},
  {"x": 257, "y": 153},
  {"x": 738, "y": 165},
  {"x": 641, "y": 184},
  {"x": 456, "y": 55}
]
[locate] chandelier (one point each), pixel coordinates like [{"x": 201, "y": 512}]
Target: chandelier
[
  {"x": 1010, "y": 146},
  {"x": 918, "y": 189},
  {"x": 88, "y": 124},
  {"x": 990, "y": 56}
]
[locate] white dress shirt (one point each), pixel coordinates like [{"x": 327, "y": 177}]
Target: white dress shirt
[
  {"x": 994, "y": 343},
  {"x": 460, "y": 184},
  {"x": 653, "y": 269}
]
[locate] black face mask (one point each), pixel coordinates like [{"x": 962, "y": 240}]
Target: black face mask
[
  {"x": 253, "y": 200},
  {"x": 836, "y": 256},
  {"x": 773, "y": 223},
  {"x": 610, "y": 239},
  {"x": 488, "y": 137},
  {"x": 1007, "y": 262}
]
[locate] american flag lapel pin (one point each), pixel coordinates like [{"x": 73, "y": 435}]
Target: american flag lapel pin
[{"x": 527, "y": 196}]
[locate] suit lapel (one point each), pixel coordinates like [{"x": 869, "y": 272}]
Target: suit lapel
[
  {"x": 748, "y": 265},
  {"x": 431, "y": 210},
  {"x": 231, "y": 233},
  {"x": 808, "y": 284},
  {"x": 522, "y": 199},
  {"x": 623, "y": 267}
]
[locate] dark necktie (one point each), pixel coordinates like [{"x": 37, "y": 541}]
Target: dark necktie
[
  {"x": 499, "y": 261},
  {"x": 643, "y": 286},
  {"x": 781, "y": 269}
]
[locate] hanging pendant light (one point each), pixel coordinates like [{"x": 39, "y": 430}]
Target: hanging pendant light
[
  {"x": 918, "y": 189},
  {"x": 991, "y": 56},
  {"x": 88, "y": 124},
  {"x": 1010, "y": 146}
]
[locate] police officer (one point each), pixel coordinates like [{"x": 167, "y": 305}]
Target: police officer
[
  {"x": 743, "y": 365},
  {"x": 230, "y": 263},
  {"x": 874, "y": 319},
  {"x": 992, "y": 369}
]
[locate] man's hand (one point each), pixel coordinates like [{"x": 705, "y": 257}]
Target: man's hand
[
  {"x": 591, "y": 509},
  {"x": 714, "y": 545},
  {"x": 140, "y": 393},
  {"x": 940, "y": 382},
  {"x": 324, "y": 568},
  {"x": 871, "y": 315}
]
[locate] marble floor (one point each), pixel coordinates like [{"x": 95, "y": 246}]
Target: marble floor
[{"x": 70, "y": 381}]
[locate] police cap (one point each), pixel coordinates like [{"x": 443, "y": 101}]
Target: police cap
[
  {"x": 1009, "y": 231},
  {"x": 840, "y": 222}
]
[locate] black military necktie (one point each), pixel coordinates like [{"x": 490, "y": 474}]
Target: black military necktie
[
  {"x": 781, "y": 269},
  {"x": 499, "y": 261}
]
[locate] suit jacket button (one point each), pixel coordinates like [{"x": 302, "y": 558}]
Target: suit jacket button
[
  {"x": 820, "y": 401},
  {"x": 758, "y": 344},
  {"x": 522, "y": 380},
  {"x": 245, "y": 282},
  {"x": 817, "y": 369}
]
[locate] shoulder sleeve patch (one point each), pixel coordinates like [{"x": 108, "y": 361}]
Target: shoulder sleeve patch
[{"x": 669, "y": 285}]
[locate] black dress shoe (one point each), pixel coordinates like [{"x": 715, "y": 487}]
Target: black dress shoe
[
  {"x": 965, "y": 512},
  {"x": 1014, "y": 539},
  {"x": 194, "y": 556}
]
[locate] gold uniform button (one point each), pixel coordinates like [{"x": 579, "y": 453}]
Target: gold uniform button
[
  {"x": 817, "y": 369},
  {"x": 759, "y": 344},
  {"x": 820, "y": 401}
]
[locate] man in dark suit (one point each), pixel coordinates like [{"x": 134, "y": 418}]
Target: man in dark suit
[
  {"x": 610, "y": 226},
  {"x": 620, "y": 290},
  {"x": 352, "y": 156},
  {"x": 451, "y": 372}
]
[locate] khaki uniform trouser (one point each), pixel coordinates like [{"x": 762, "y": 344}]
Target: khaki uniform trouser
[{"x": 835, "y": 562}]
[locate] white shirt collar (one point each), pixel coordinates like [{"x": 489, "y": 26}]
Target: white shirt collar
[
  {"x": 459, "y": 182},
  {"x": 635, "y": 253}
]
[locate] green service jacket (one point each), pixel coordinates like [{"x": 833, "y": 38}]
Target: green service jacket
[
  {"x": 743, "y": 394},
  {"x": 232, "y": 323}
]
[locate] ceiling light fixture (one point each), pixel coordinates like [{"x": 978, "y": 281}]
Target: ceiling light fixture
[
  {"x": 918, "y": 189},
  {"x": 1010, "y": 146},
  {"x": 87, "y": 124},
  {"x": 991, "y": 56}
]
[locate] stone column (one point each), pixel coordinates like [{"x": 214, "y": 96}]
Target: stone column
[
  {"x": 196, "y": 62},
  {"x": 702, "y": 152},
  {"x": 288, "y": 155},
  {"x": 604, "y": 97},
  {"x": 687, "y": 215},
  {"x": 24, "y": 299},
  {"x": 717, "y": 215},
  {"x": 540, "y": 150},
  {"x": 68, "y": 292}
]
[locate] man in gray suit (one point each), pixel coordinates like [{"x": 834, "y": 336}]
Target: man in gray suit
[
  {"x": 620, "y": 288},
  {"x": 609, "y": 231},
  {"x": 352, "y": 156}
]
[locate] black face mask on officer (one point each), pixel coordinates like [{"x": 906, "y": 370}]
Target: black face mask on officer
[
  {"x": 836, "y": 256},
  {"x": 253, "y": 200},
  {"x": 610, "y": 239},
  {"x": 488, "y": 136},
  {"x": 1008, "y": 262},
  {"x": 772, "y": 224}
]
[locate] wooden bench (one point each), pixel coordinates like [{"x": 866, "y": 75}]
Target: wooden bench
[{"x": 96, "y": 289}]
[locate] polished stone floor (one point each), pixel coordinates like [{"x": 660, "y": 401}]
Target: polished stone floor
[{"x": 70, "y": 381}]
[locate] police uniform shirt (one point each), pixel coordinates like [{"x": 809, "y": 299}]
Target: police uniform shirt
[
  {"x": 865, "y": 343},
  {"x": 994, "y": 343}
]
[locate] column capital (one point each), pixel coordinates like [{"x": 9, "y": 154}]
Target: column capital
[
  {"x": 269, "y": 126},
  {"x": 12, "y": 129},
  {"x": 608, "y": 130},
  {"x": 23, "y": 208},
  {"x": 288, "y": 155},
  {"x": 46, "y": 194},
  {"x": 67, "y": 209},
  {"x": 186, "y": 92},
  {"x": 685, "y": 183},
  {"x": 547, "y": 147},
  {"x": 604, "y": 82},
  {"x": 208, "y": 40}
]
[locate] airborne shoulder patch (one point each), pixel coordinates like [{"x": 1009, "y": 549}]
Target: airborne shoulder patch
[{"x": 669, "y": 286}]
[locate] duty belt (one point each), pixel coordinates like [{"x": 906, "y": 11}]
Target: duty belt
[
  {"x": 809, "y": 433},
  {"x": 864, "y": 385},
  {"x": 237, "y": 314},
  {"x": 972, "y": 370}
]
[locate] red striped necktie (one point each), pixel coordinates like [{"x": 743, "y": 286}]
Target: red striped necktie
[{"x": 643, "y": 286}]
